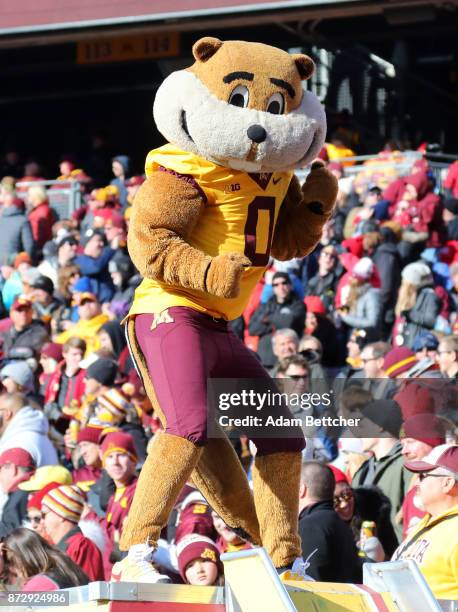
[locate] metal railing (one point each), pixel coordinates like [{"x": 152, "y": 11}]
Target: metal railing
[{"x": 64, "y": 196}]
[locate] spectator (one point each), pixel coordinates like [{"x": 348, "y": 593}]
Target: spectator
[
  {"x": 228, "y": 540},
  {"x": 382, "y": 420},
  {"x": 24, "y": 332},
  {"x": 20, "y": 421},
  {"x": 420, "y": 434},
  {"x": 284, "y": 310},
  {"x": 198, "y": 561},
  {"x": 447, "y": 356},
  {"x": 121, "y": 169},
  {"x": 119, "y": 460},
  {"x": 93, "y": 263},
  {"x": 62, "y": 508},
  {"x": 16, "y": 465},
  {"x": 100, "y": 377},
  {"x": 362, "y": 308},
  {"x": 133, "y": 185},
  {"x": 42, "y": 296},
  {"x": 285, "y": 342},
  {"x": 89, "y": 451},
  {"x": 17, "y": 377},
  {"x": 41, "y": 216},
  {"x": 324, "y": 283},
  {"x": 65, "y": 316},
  {"x": 91, "y": 319},
  {"x": 388, "y": 262},
  {"x": 399, "y": 361},
  {"x": 16, "y": 235},
  {"x": 66, "y": 247},
  {"x": 13, "y": 286},
  {"x": 377, "y": 381},
  {"x": 318, "y": 325},
  {"x": 50, "y": 357},
  {"x": 418, "y": 306},
  {"x": 39, "y": 566},
  {"x": 323, "y": 531},
  {"x": 430, "y": 544},
  {"x": 425, "y": 346},
  {"x": 66, "y": 386},
  {"x": 125, "y": 281}
]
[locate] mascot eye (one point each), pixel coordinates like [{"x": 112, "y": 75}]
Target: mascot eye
[
  {"x": 239, "y": 97},
  {"x": 276, "y": 104}
]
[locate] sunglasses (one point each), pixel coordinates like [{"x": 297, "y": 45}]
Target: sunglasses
[
  {"x": 423, "y": 475},
  {"x": 298, "y": 376},
  {"x": 280, "y": 284},
  {"x": 345, "y": 496}
]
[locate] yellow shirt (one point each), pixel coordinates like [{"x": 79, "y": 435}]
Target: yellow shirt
[
  {"x": 87, "y": 330},
  {"x": 436, "y": 553},
  {"x": 240, "y": 213}
]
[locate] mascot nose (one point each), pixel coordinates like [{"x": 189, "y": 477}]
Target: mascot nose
[{"x": 256, "y": 133}]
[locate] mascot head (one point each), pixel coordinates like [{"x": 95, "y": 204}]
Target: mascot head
[{"x": 242, "y": 105}]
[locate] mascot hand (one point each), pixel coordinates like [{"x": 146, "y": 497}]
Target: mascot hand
[
  {"x": 224, "y": 273},
  {"x": 319, "y": 191}
]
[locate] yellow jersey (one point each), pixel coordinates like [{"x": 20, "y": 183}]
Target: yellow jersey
[
  {"x": 436, "y": 552},
  {"x": 239, "y": 216}
]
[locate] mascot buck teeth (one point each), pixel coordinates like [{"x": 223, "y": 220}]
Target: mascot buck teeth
[{"x": 219, "y": 199}]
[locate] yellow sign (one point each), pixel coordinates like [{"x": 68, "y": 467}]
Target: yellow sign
[{"x": 128, "y": 48}]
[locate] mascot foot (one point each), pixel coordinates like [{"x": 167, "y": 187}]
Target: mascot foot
[{"x": 136, "y": 567}]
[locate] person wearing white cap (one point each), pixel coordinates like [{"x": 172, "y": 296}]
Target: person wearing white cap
[
  {"x": 363, "y": 306},
  {"x": 433, "y": 544}
]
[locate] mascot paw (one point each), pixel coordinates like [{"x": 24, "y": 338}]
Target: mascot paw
[
  {"x": 224, "y": 273},
  {"x": 319, "y": 191}
]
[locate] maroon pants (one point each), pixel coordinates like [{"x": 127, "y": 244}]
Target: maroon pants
[{"x": 181, "y": 356}]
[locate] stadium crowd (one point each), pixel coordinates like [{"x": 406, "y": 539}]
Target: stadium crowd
[{"x": 372, "y": 313}]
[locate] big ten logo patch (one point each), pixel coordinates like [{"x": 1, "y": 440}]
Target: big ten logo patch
[{"x": 231, "y": 188}]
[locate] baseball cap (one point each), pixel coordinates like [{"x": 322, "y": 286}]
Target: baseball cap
[
  {"x": 89, "y": 234},
  {"x": 21, "y": 303},
  {"x": 444, "y": 456},
  {"x": 20, "y": 372},
  {"x": 86, "y": 296},
  {"x": 22, "y": 258},
  {"x": 17, "y": 456},
  {"x": 46, "y": 474},
  {"x": 425, "y": 340}
]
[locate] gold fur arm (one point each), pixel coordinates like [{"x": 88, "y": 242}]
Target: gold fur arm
[
  {"x": 165, "y": 212},
  {"x": 303, "y": 213}
]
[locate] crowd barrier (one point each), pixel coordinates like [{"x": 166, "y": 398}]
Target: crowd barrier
[{"x": 253, "y": 585}]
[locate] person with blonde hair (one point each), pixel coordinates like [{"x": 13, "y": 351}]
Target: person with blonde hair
[
  {"x": 418, "y": 305},
  {"x": 41, "y": 217}
]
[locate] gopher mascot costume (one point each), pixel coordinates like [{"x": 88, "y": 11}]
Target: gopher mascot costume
[{"x": 219, "y": 199}]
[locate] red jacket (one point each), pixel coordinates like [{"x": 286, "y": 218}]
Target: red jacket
[
  {"x": 41, "y": 219},
  {"x": 75, "y": 389},
  {"x": 83, "y": 552}
]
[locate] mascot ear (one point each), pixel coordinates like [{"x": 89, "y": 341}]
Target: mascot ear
[
  {"x": 305, "y": 65},
  {"x": 205, "y": 48}
]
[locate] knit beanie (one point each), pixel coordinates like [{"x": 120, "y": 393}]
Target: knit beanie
[
  {"x": 112, "y": 406},
  {"x": 414, "y": 399},
  {"x": 427, "y": 428},
  {"x": 399, "y": 360},
  {"x": 66, "y": 501},
  {"x": 195, "y": 546}
]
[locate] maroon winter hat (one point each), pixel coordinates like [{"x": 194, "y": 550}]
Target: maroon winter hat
[
  {"x": 194, "y": 547},
  {"x": 89, "y": 434},
  {"x": 52, "y": 350},
  {"x": 427, "y": 428},
  {"x": 399, "y": 360},
  {"x": 414, "y": 399}
]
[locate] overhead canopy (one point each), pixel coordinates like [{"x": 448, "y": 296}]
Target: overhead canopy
[{"x": 27, "y": 16}]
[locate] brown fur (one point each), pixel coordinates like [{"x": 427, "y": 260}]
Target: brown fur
[
  {"x": 301, "y": 220},
  {"x": 276, "y": 480},
  {"x": 242, "y": 56},
  {"x": 166, "y": 470},
  {"x": 227, "y": 491}
]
